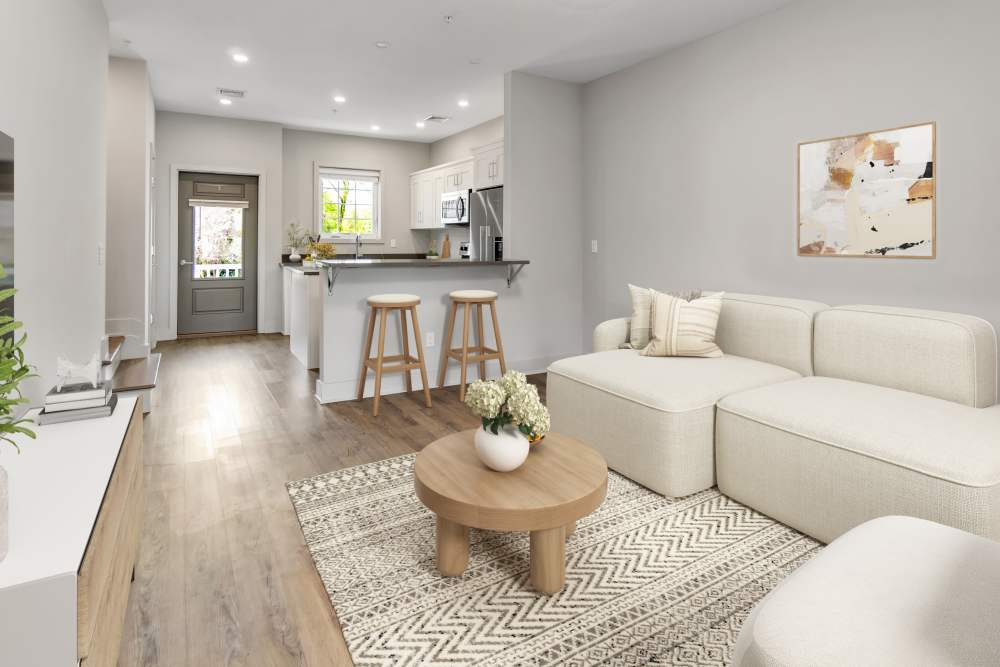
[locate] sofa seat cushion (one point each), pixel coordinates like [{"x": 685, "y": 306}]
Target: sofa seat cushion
[
  {"x": 653, "y": 418},
  {"x": 824, "y": 455},
  {"x": 669, "y": 384},
  {"x": 893, "y": 591}
]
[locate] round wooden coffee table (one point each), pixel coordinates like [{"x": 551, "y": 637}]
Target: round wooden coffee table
[{"x": 563, "y": 480}]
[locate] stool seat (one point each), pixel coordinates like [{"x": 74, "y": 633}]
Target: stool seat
[
  {"x": 393, "y": 300},
  {"x": 472, "y": 295}
]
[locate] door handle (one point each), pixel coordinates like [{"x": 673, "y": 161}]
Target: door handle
[{"x": 185, "y": 262}]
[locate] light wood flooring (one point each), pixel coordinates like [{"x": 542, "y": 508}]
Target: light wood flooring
[{"x": 223, "y": 576}]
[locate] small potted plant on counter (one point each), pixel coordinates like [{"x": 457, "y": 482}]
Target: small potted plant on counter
[
  {"x": 432, "y": 252},
  {"x": 296, "y": 237},
  {"x": 513, "y": 418}
]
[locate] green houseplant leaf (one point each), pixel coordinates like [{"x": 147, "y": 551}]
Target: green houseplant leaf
[{"x": 13, "y": 370}]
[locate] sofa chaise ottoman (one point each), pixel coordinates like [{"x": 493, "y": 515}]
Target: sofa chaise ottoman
[
  {"x": 899, "y": 419},
  {"x": 892, "y": 591},
  {"x": 653, "y": 418}
]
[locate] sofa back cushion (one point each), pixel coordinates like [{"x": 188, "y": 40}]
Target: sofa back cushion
[
  {"x": 770, "y": 329},
  {"x": 945, "y": 355}
]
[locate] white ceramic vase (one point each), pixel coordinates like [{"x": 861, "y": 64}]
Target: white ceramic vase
[
  {"x": 504, "y": 451},
  {"x": 294, "y": 256},
  {"x": 4, "y": 513}
]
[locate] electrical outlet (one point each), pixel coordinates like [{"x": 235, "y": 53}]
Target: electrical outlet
[
  {"x": 100, "y": 254},
  {"x": 593, "y": 245},
  {"x": 392, "y": 243},
  {"x": 430, "y": 339}
]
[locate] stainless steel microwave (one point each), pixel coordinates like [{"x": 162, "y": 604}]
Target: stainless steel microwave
[{"x": 455, "y": 208}]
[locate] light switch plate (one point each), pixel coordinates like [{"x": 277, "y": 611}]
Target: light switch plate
[
  {"x": 593, "y": 245},
  {"x": 430, "y": 339},
  {"x": 392, "y": 243}
]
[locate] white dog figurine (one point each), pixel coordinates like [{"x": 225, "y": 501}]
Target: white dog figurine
[{"x": 66, "y": 370}]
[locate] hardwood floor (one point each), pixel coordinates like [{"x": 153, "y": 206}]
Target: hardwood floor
[{"x": 223, "y": 576}]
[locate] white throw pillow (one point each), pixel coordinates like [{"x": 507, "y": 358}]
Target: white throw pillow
[{"x": 682, "y": 328}]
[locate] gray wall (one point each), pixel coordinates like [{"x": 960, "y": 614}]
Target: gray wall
[
  {"x": 131, "y": 114},
  {"x": 459, "y": 146},
  {"x": 395, "y": 159},
  {"x": 53, "y": 78},
  {"x": 543, "y": 216},
  {"x": 691, "y": 156}
]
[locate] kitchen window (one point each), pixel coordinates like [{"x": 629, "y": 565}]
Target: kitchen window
[{"x": 349, "y": 203}]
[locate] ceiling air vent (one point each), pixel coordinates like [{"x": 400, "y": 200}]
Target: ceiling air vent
[
  {"x": 230, "y": 92},
  {"x": 437, "y": 119}
]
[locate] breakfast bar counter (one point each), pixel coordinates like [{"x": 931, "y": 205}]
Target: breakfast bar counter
[{"x": 347, "y": 284}]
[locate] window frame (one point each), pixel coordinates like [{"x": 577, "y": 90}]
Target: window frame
[{"x": 373, "y": 175}]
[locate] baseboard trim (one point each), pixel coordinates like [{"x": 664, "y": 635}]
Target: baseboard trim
[{"x": 346, "y": 390}]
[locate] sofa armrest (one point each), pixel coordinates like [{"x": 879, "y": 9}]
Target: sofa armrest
[{"x": 610, "y": 335}]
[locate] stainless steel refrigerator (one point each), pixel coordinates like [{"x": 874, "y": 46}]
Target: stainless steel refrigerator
[{"x": 485, "y": 223}]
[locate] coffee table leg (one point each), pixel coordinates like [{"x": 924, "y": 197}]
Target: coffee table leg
[
  {"x": 548, "y": 559},
  {"x": 570, "y": 529},
  {"x": 452, "y": 547}
]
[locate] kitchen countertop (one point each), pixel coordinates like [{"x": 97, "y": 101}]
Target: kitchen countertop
[{"x": 376, "y": 262}]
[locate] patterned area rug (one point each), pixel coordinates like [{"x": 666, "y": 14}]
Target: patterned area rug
[{"x": 649, "y": 580}]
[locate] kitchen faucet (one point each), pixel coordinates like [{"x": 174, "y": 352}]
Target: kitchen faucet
[{"x": 357, "y": 247}]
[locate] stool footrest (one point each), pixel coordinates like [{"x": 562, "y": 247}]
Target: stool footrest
[
  {"x": 407, "y": 363},
  {"x": 482, "y": 354}
]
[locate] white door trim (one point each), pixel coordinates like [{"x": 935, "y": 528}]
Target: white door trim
[{"x": 175, "y": 170}]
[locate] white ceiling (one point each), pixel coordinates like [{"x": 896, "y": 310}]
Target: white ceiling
[{"x": 303, "y": 52}]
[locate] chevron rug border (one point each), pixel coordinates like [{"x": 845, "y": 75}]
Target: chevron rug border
[{"x": 649, "y": 580}]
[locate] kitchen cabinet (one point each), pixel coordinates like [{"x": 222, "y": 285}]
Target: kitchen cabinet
[
  {"x": 488, "y": 165},
  {"x": 424, "y": 213},
  {"x": 459, "y": 176},
  {"x": 427, "y": 186}
]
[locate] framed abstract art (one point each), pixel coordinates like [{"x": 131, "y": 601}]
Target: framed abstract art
[{"x": 868, "y": 195}]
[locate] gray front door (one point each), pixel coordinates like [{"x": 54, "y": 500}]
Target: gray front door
[{"x": 217, "y": 251}]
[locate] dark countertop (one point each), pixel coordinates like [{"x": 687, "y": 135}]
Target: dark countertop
[
  {"x": 297, "y": 266},
  {"x": 387, "y": 263}
]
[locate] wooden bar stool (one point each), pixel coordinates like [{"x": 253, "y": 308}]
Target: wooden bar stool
[
  {"x": 481, "y": 353},
  {"x": 381, "y": 305}
]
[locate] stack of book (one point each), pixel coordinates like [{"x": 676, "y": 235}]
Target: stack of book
[{"x": 78, "y": 401}]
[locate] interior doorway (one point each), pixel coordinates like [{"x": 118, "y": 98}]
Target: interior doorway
[{"x": 217, "y": 251}]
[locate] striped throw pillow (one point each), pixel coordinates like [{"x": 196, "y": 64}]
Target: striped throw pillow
[
  {"x": 684, "y": 328},
  {"x": 642, "y": 305}
]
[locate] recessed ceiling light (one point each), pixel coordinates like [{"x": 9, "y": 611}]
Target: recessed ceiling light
[
  {"x": 449, "y": 19},
  {"x": 339, "y": 99},
  {"x": 241, "y": 58},
  {"x": 225, "y": 101},
  {"x": 375, "y": 128},
  {"x": 421, "y": 124},
  {"x": 381, "y": 44},
  {"x": 463, "y": 103}
]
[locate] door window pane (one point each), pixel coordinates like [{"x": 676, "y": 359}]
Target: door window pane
[{"x": 218, "y": 243}]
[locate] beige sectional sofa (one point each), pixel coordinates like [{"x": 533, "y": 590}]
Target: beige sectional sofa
[
  {"x": 822, "y": 418},
  {"x": 653, "y": 418}
]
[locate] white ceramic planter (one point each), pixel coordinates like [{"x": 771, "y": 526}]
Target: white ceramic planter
[
  {"x": 502, "y": 452},
  {"x": 4, "y": 513}
]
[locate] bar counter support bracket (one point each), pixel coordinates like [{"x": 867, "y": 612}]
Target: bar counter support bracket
[
  {"x": 512, "y": 271},
  {"x": 331, "y": 277}
]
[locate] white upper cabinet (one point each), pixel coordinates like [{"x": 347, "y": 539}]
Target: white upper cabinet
[
  {"x": 488, "y": 165},
  {"x": 458, "y": 177},
  {"x": 427, "y": 186}
]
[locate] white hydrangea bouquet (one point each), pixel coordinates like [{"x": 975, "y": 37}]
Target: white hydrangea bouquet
[
  {"x": 513, "y": 418},
  {"x": 509, "y": 400}
]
